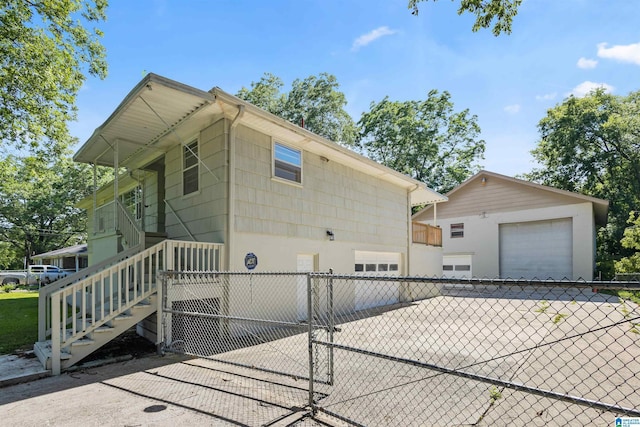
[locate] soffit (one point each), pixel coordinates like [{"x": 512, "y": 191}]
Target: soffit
[{"x": 155, "y": 115}]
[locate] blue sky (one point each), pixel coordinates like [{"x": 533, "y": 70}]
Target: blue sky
[{"x": 377, "y": 48}]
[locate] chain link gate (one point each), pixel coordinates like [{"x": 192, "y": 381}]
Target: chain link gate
[
  {"x": 443, "y": 352},
  {"x": 248, "y": 320}
]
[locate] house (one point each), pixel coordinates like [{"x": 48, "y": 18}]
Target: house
[
  {"x": 497, "y": 226},
  {"x": 71, "y": 258},
  {"x": 206, "y": 181}
]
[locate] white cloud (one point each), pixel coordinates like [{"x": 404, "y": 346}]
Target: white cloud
[
  {"x": 546, "y": 96},
  {"x": 587, "y": 63},
  {"x": 365, "y": 39},
  {"x": 622, "y": 53},
  {"x": 512, "y": 109},
  {"x": 585, "y": 87}
]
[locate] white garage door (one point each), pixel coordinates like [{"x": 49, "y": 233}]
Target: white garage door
[
  {"x": 458, "y": 266},
  {"x": 371, "y": 293},
  {"x": 540, "y": 249}
]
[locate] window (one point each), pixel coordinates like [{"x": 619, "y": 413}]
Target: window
[
  {"x": 457, "y": 230},
  {"x": 359, "y": 267},
  {"x": 132, "y": 201},
  {"x": 190, "y": 169},
  {"x": 370, "y": 267},
  {"x": 287, "y": 163},
  {"x": 447, "y": 267}
]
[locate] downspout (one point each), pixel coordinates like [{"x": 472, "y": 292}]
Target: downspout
[
  {"x": 95, "y": 201},
  {"x": 410, "y": 229},
  {"x": 231, "y": 182}
]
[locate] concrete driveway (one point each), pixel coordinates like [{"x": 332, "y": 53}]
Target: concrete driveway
[{"x": 588, "y": 352}]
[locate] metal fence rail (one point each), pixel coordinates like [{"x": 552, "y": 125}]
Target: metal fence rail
[
  {"x": 241, "y": 319},
  {"x": 420, "y": 351}
]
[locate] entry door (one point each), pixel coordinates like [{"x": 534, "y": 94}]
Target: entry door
[{"x": 306, "y": 263}]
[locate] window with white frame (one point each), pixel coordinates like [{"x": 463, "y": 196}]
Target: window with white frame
[
  {"x": 132, "y": 201},
  {"x": 190, "y": 168},
  {"x": 457, "y": 230},
  {"x": 287, "y": 163}
]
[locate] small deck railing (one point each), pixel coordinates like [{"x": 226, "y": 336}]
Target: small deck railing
[{"x": 427, "y": 234}]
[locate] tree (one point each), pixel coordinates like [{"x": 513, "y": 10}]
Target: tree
[
  {"x": 426, "y": 140},
  {"x": 486, "y": 11},
  {"x": 591, "y": 145},
  {"x": 631, "y": 240},
  {"x": 315, "y": 100},
  {"x": 37, "y": 198},
  {"x": 44, "y": 53}
]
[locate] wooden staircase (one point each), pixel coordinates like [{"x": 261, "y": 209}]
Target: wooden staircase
[
  {"x": 83, "y": 312},
  {"x": 98, "y": 337}
]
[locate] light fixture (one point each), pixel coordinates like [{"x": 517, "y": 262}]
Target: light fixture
[
  {"x": 324, "y": 159},
  {"x": 330, "y": 234},
  {"x": 484, "y": 180}
]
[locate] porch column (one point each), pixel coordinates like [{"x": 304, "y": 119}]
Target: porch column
[{"x": 115, "y": 184}]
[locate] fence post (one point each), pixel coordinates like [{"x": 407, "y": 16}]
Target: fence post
[
  {"x": 55, "y": 333},
  {"x": 160, "y": 305},
  {"x": 331, "y": 326},
  {"x": 310, "y": 342}
]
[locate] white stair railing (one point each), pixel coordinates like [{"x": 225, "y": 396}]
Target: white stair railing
[
  {"x": 88, "y": 304},
  {"x": 127, "y": 226}
]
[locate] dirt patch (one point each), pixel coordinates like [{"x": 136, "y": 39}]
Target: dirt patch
[{"x": 128, "y": 343}]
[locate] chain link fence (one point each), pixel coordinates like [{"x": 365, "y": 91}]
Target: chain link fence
[{"x": 420, "y": 351}]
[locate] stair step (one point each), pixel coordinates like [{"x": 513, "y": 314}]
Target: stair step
[{"x": 84, "y": 341}]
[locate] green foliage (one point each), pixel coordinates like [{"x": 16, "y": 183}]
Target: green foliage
[
  {"x": 18, "y": 321},
  {"x": 544, "y": 306},
  {"x": 494, "y": 394},
  {"x": 591, "y": 145},
  {"x": 426, "y": 140},
  {"x": 486, "y": 12},
  {"x": 630, "y": 240},
  {"x": 44, "y": 53},
  {"x": 317, "y": 100},
  {"x": 559, "y": 318},
  {"x": 37, "y": 197},
  {"x": 8, "y": 288}
]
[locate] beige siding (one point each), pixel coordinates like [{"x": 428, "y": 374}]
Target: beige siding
[
  {"x": 203, "y": 212},
  {"x": 495, "y": 195},
  {"x": 357, "y": 207}
]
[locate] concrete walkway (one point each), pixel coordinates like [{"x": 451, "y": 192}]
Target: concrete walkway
[{"x": 15, "y": 369}]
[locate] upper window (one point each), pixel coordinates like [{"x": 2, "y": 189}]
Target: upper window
[
  {"x": 190, "y": 170},
  {"x": 457, "y": 230},
  {"x": 287, "y": 163}
]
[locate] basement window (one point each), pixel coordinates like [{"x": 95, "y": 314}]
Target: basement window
[
  {"x": 287, "y": 163},
  {"x": 457, "y": 230},
  {"x": 190, "y": 168}
]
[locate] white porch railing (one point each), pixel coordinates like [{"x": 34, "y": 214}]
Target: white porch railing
[
  {"x": 128, "y": 226},
  {"x": 87, "y": 304}
]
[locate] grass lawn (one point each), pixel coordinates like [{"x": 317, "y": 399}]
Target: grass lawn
[{"x": 18, "y": 321}]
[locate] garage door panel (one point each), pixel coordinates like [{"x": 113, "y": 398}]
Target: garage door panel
[
  {"x": 540, "y": 249},
  {"x": 368, "y": 293},
  {"x": 457, "y": 266}
]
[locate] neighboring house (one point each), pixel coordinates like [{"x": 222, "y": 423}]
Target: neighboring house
[
  {"x": 497, "y": 226},
  {"x": 71, "y": 258},
  {"x": 206, "y": 181}
]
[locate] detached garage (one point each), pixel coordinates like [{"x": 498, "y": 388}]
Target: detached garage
[
  {"x": 511, "y": 228},
  {"x": 537, "y": 249}
]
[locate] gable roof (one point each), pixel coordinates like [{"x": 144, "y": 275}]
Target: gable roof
[
  {"x": 160, "y": 113},
  {"x": 600, "y": 206}
]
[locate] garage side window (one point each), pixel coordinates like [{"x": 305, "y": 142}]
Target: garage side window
[
  {"x": 457, "y": 230},
  {"x": 190, "y": 172},
  {"x": 287, "y": 163}
]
